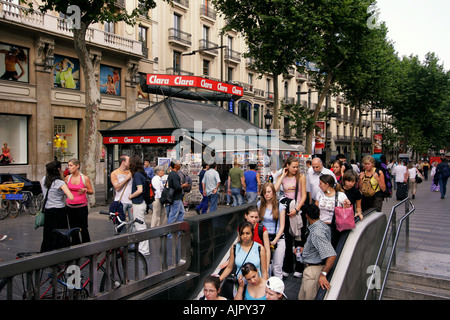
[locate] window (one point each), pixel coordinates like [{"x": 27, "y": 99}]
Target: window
[
  {"x": 256, "y": 115},
  {"x": 206, "y": 34},
  {"x": 230, "y": 74},
  {"x": 65, "y": 139},
  {"x": 177, "y": 25},
  {"x": 176, "y": 62},
  {"x": 206, "y": 67},
  {"x": 142, "y": 35},
  {"x": 109, "y": 27},
  {"x": 14, "y": 133}
]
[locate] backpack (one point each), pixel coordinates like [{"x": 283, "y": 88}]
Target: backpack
[
  {"x": 387, "y": 180},
  {"x": 445, "y": 171},
  {"x": 366, "y": 188},
  {"x": 148, "y": 192}
]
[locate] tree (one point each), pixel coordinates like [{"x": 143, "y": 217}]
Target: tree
[
  {"x": 421, "y": 106},
  {"x": 92, "y": 12},
  {"x": 335, "y": 41},
  {"x": 273, "y": 31},
  {"x": 366, "y": 80}
]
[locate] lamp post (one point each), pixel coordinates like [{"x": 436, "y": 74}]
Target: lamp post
[
  {"x": 361, "y": 136},
  {"x": 268, "y": 117},
  {"x": 328, "y": 150}
]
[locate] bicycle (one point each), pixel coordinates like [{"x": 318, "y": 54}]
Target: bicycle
[
  {"x": 53, "y": 280},
  {"x": 7, "y": 206},
  {"x": 14, "y": 200}
]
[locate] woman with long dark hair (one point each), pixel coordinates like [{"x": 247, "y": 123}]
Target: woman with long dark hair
[
  {"x": 139, "y": 205},
  {"x": 54, "y": 189}
]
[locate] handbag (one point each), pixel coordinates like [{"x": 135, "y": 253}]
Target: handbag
[
  {"x": 418, "y": 179},
  {"x": 39, "y": 219},
  {"x": 344, "y": 217},
  {"x": 117, "y": 207},
  {"x": 232, "y": 280},
  {"x": 295, "y": 222},
  {"x": 167, "y": 195}
]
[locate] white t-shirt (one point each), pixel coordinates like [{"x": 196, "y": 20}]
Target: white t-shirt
[
  {"x": 158, "y": 185},
  {"x": 327, "y": 205},
  {"x": 117, "y": 176},
  {"x": 312, "y": 181},
  {"x": 399, "y": 172}
]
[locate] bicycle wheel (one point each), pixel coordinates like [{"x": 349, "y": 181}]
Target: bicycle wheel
[
  {"x": 50, "y": 288},
  {"x": 3, "y": 212},
  {"x": 14, "y": 208},
  {"x": 33, "y": 205},
  {"x": 118, "y": 277}
]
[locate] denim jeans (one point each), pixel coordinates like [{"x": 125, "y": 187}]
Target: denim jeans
[
  {"x": 213, "y": 199},
  {"x": 251, "y": 196},
  {"x": 127, "y": 209},
  {"x": 238, "y": 199},
  {"x": 443, "y": 186},
  {"x": 175, "y": 211},
  {"x": 203, "y": 206}
]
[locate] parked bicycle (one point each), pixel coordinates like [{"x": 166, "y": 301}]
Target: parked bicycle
[
  {"x": 14, "y": 200},
  {"x": 53, "y": 281}
]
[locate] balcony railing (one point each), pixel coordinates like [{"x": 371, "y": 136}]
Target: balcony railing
[
  {"x": 180, "y": 72},
  {"x": 180, "y": 36},
  {"x": 208, "y": 12},
  {"x": 232, "y": 55},
  {"x": 207, "y": 45},
  {"x": 52, "y": 24}
]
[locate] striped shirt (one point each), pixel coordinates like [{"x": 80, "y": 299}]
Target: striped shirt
[{"x": 318, "y": 245}]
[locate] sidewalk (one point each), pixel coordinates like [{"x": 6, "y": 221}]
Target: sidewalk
[{"x": 429, "y": 233}]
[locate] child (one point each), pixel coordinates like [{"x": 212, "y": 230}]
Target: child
[{"x": 353, "y": 194}]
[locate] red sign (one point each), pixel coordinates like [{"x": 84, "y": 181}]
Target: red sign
[
  {"x": 192, "y": 81},
  {"x": 378, "y": 143},
  {"x": 139, "y": 140},
  {"x": 320, "y": 135}
]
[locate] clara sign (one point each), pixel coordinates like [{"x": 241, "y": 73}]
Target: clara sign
[{"x": 193, "y": 81}]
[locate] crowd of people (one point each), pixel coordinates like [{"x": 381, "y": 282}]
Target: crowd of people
[{"x": 290, "y": 228}]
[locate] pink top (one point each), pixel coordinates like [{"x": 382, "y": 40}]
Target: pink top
[
  {"x": 78, "y": 199},
  {"x": 289, "y": 188}
]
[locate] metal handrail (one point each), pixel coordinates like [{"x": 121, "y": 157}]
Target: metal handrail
[
  {"x": 392, "y": 257},
  {"x": 180, "y": 260}
]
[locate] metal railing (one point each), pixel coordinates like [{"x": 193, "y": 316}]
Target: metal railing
[
  {"x": 19, "y": 279},
  {"x": 391, "y": 237}
]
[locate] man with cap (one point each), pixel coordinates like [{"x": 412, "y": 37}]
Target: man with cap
[{"x": 275, "y": 289}]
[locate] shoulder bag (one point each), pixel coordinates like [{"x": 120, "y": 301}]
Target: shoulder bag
[
  {"x": 39, "y": 219},
  {"x": 167, "y": 194},
  {"x": 117, "y": 207},
  {"x": 345, "y": 218},
  {"x": 295, "y": 221}
]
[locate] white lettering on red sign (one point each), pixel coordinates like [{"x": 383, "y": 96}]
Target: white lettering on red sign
[
  {"x": 205, "y": 84},
  {"x": 183, "y": 82},
  {"x": 144, "y": 139},
  {"x": 128, "y": 140},
  {"x": 113, "y": 140},
  {"x": 162, "y": 140},
  {"x": 222, "y": 88},
  {"x": 237, "y": 91},
  {"x": 155, "y": 80}
]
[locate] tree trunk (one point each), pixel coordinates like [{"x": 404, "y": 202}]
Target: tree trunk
[
  {"x": 93, "y": 101},
  {"x": 275, "y": 102},
  {"x": 312, "y": 125},
  {"x": 352, "y": 131}
]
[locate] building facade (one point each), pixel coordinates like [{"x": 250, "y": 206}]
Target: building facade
[{"x": 43, "y": 89}]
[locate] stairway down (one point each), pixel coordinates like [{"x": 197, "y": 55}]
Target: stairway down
[{"x": 403, "y": 285}]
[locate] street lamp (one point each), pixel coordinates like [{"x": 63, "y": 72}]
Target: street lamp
[{"x": 268, "y": 119}]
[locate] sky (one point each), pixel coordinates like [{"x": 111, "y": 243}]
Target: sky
[{"x": 418, "y": 27}]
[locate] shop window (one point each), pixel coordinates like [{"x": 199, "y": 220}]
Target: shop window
[
  {"x": 256, "y": 115},
  {"x": 244, "y": 110},
  {"x": 14, "y": 135},
  {"x": 65, "y": 139}
]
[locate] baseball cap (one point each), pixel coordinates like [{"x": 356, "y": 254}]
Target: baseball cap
[{"x": 276, "y": 284}]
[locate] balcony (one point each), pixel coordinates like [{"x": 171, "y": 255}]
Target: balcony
[
  {"x": 290, "y": 74},
  {"x": 300, "y": 77},
  {"x": 206, "y": 46},
  {"x": 47, "y": 23},
  {"x": 232, "y": 56},
  {"x": 176, "y": 71},
  {"x": 180, "y": 38},
  {"x": 288, "y": 100},
  {"x": 247, "y": 87},
  {"x": 183, "y": 4},
  {"x": 208, "y": 12}
]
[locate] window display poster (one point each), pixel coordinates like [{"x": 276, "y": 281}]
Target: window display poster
[
  {"x": 66, "y": 72},
  {"x": 320, "y": 135},
  {"x": 110, "y": 80},
  {"x": 65, "y": 139},
  {"x": 13, "y": 62},
  {"x": 14, "y": 135},
  {"x": 165, "y": 163}
]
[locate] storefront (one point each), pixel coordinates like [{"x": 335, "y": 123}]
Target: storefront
[{"x": 194, "y": 133}]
